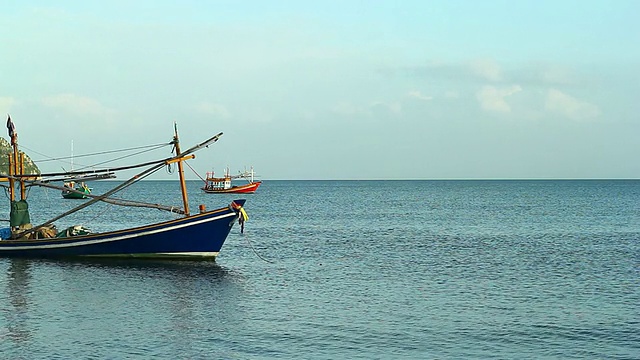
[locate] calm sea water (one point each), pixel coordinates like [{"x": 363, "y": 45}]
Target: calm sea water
[{"x": 350, "y": 269}]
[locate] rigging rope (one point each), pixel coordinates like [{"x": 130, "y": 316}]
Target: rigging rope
[
  {"x": 194, "y": 171},
  {"x": 93, "y": 154},
  {"x": 85, "y": 172},
  {"x": 107, "y": 206},
  {"x": 84, "y": 168},
  {"x": 123, "y": 157}
]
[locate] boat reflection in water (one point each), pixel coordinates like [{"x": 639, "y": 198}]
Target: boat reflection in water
[{"x": 18, "y": 276}]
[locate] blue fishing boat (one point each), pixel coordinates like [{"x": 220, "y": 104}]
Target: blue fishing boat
[{"x": 192, "y": 236}]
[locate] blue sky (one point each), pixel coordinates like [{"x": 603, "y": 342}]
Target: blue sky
[{"x": 334, "y": 89}]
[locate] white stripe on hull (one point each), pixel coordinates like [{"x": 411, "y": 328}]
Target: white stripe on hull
[{"x": 115, "y": 238}]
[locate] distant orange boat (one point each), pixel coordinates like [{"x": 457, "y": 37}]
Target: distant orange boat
[{"x": 222, "y": 185}]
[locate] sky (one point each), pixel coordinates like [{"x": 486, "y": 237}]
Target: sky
[{"x": 331, "y": 89}]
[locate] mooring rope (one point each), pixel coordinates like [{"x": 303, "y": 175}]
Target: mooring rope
[{"x": 254, "y": 250}]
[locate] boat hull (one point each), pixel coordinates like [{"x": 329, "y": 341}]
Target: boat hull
[
  {"x": 239, "y": 189},
  {"x": 74, "y": 195},
  {"x": 73, "y": 192},
  {"x": 197, "y": 236}
]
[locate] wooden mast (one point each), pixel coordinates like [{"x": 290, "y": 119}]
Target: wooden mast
[
  {"x": 23, "y": 186},
  {"x": 183, "y": 185},
  {"x": 12, "y": 196},
  {"x": 13, "y": 157}
]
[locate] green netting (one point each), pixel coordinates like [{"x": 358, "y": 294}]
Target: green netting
[{"x": 19, "y": 213}]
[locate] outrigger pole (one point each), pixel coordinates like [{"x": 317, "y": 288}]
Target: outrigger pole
[
  {"x": 23, "y": 186},
  {"x": 109, "y": 200}
]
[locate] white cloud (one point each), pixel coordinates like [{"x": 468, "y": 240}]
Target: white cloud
[
  {"x": 568, "y": 106},
  {"x": 469, "y": 71},
  {"x": 394, "y": 108},
  {"x": 492, "y": 98},
  {"x": 418, "y": 95},
  {"x": 486, "y": 69},
  {"x": 6, "y": 103},
  {"x": 556, "y": 75},
  {"x": 78, "y": 105},
  {"x": 375, "y": 108},
  {"x": 212, "y": 109},
  {"x": 349, "y": 109}
]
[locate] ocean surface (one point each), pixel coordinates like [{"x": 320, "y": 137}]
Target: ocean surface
[{"x": 348, "y": 270}]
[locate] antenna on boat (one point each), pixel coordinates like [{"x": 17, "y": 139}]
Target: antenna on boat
[{"x": 72, "y": 155}]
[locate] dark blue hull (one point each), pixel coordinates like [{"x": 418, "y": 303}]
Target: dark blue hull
[{"x": 196, "y": 236}]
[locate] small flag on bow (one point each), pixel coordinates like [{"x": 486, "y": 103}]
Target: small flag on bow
[{"x": 10, "y": 127}]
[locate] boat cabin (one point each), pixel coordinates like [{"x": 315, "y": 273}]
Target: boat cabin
[{"x": 214, "y": 183}]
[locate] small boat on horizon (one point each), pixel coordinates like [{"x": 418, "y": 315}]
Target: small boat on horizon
[
  {"x": 75, "y": 186},
  {"x": 223, "y": 185},
  {"x": 81, "y": 190}
]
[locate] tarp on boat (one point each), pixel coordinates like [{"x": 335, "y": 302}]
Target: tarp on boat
[
  {"x": 19, "y": 213},
  {"x": 76, "y": 230}
]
